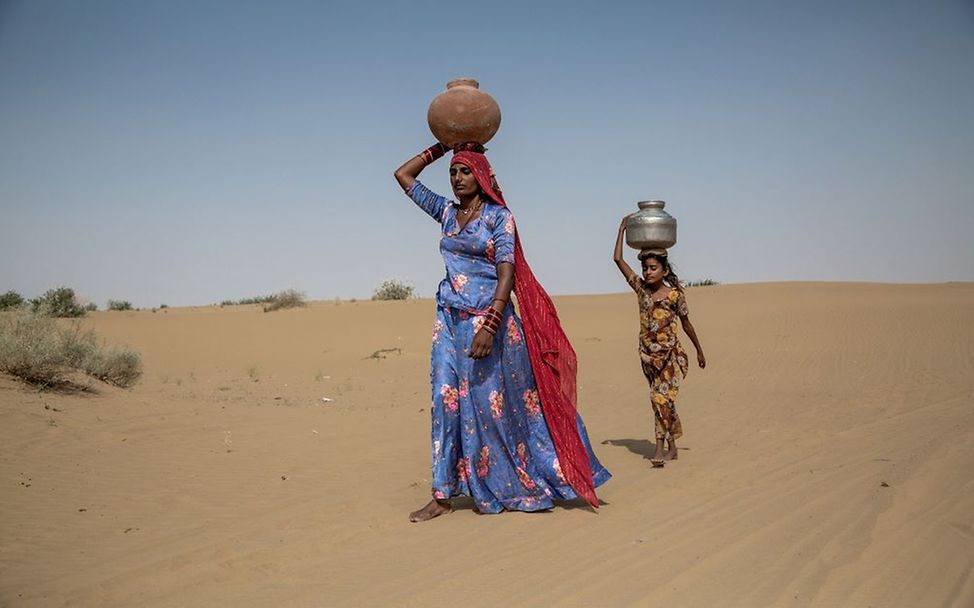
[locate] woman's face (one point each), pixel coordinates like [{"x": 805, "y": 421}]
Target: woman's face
[
  {"x": 653, "y": 270},
  {"x": 463, "y": 181}
]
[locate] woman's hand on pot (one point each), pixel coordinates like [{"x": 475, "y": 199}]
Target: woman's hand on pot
[{"x": 482, "y": 343}]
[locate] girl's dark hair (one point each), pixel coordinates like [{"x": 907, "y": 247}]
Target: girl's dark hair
[{"x": 670, "y": 279}]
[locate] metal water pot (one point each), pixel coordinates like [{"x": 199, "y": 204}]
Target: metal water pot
[{"x": 651, "y": 227}]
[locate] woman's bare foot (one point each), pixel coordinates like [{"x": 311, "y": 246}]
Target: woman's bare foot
[
  {"x": 433, "y": 508},
  {"x": 672, "y": 453}
]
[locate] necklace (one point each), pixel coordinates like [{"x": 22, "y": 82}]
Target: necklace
[{"x": 469, "y": 209}]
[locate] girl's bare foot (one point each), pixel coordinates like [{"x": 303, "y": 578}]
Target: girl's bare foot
[
  {"x": 658, "y": 458},
  {"x": 433, "y": 508},
  {"x": 672, "y": 453}
]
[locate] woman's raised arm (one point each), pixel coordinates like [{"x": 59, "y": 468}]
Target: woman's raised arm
[{"x": 410, "y": 170}]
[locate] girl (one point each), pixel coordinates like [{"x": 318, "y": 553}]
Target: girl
[{"x": 664, "y": 361}]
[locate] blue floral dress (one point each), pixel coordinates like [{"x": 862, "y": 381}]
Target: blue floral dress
[{"x": 489, "y": 437}]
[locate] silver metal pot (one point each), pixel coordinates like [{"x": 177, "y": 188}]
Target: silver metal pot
[{"x": 651, "y": 227}]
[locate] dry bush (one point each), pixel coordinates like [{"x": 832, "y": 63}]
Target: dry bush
[
  {"x": 393, "y": 290},
  {"x": 116, "y": 365},
  {"x": 36, "y": 349},
  {"x": 289, "y": 298}
]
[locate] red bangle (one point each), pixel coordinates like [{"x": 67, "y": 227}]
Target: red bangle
[
  {"x": 433, "y": 152},
  {"x": 492, "y": 320}
]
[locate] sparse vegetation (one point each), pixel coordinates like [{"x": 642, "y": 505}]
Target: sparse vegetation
[
  {"x": 289, "y": 298},
  {"x": 254, "y": 300},
  {"x": 393, "y": 290},
  {"x": 382, "y": 353},
  {"x": 91, "y": 307},
  {"x": 36, "y": 349},
  {"x": 161, "y": 306},
  {"x": 703, "y": 283},
  {"x": 117, "y": 365},
  {"x": 11, "y": 299},
  {"x": 119, "y": 305},
  {"x": 58, "y": 302}
]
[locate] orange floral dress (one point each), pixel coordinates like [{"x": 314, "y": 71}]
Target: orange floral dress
[{"x": 662, "y": 356}]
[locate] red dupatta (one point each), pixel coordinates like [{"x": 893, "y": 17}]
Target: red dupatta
[{"x": 552, "y": 356}]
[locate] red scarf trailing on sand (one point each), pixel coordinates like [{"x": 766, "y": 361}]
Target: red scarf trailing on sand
[{"x": 552, "y": 356}]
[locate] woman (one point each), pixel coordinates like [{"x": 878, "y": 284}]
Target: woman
[{"x": 504, "y": 426}]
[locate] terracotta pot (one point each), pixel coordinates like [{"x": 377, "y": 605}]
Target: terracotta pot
[{"x": 463, "y": 113}]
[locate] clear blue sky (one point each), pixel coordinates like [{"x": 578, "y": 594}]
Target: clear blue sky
[{"x": 189, "y": 152}]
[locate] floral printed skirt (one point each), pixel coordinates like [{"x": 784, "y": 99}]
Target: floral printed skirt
[
  {"x": 664, "y": 386},
  {"x": 489, "y": 436}
]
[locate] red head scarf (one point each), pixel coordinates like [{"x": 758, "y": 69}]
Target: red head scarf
[{"x": 552, "y": 356}]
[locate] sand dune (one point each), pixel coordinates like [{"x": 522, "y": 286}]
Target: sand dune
[{"x": 224, "y": 479}]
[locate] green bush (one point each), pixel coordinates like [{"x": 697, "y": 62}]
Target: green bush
[
  {"x": 11, "y": 299},
  {"x": 36, "y": 349},
  {"x": 289, "y": 298},
  {"x": 393, "y": 290},
  {"x": 58, "y": 302},
  {"x": 703, "y": 283},
  {"x": 91, "y": 307},
  {"x": 119, "y": 305}
]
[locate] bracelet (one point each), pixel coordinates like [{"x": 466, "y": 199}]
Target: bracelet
[
  {"x": 433, "y": 152},
  {"x": 492, "y": 320}
]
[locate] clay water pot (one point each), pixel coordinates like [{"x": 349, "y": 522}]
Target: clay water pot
[
  {"x": 463, "y": 113},
  {"x": 651, "y": 227}
]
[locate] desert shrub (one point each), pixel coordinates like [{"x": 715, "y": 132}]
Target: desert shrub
[
  {"x": 252, "y": 300},
  {"x": 703, "y": 283},
  {"x": 35, "y": 348},
  {"x": 91, "y": 307},
  {"x": 119, "y": 305},
  {"x": 163, "y": 306},
  {"x": 289, "y": 298},
  {"x": 11, "y": 299},
  {"x": 58, "y": 302},
  {"x": 393, "y": 290},
  {"x": 117, "y": 365}
]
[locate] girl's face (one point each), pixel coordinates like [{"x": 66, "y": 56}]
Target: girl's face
[
  {"x": 653, "y": 271},
  {"x": 463, "y": 181}
]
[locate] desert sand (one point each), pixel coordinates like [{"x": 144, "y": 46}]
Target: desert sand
[{"x": 828, "y": 461}]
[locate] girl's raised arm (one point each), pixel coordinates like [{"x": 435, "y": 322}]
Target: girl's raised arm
[{"x": 617, "y": 256}]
